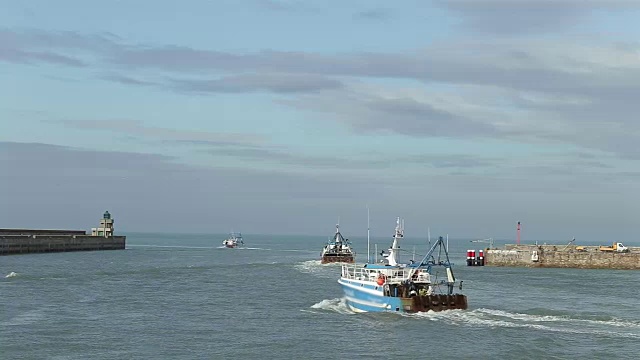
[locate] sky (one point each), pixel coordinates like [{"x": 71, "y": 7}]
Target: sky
[{"x": 284, "y": 117}]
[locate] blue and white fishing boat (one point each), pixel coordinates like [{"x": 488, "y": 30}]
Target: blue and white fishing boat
[{"x": 396, "y": 287}]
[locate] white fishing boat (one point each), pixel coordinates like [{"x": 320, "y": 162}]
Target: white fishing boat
[
  {"x": 233, "y": 241},
  {"x": 337, "y": 249},
  {"x": 403, "y": 287}
]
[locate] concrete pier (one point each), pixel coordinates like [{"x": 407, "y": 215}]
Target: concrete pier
[
  {"x": 28, "y": 244},
  {"x": 560, "y": 256},
  {"x": 29, "y": 241}
]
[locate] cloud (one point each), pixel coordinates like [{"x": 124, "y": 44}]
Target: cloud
[
  {"x": 152, "y": 192},
  {"x": 547, "y": 90},
  {"x": 58, "y": 39},
  {"x": 277, "y": 83},
  {"x": 529, "y": 16},
  {"x": 536, "y": 91},
  {"x": 149, "y": 192},
  {"x": 284, "y": 157},
  {"x": 592, "y": 79},
  {"x": 127, "y": 80},
  {"x": 366, "y": 112},
  {"x": 31, "y": 158},
  {"x": 555, "y": 167},
  {"x": 348, "y": 164},
  {"x": 454, "y": 161},
  {"x": 132, "y": 127},
  {"x": 30, "y": 57},
  {"x": 30, "y": 47},
  {"x": 557, "y": 66},
  {"x": 254, "y": 151}
]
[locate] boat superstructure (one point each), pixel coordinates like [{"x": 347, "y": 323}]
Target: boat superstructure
[
  {"x": 398, "y": 287},
  {"x": 233, "y": 241},
  {"x": 337, "y": 249}
]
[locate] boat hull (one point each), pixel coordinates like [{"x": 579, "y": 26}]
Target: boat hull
[
  {"x": 337, "y": 259},
  {"x": 364, "y": 297}
]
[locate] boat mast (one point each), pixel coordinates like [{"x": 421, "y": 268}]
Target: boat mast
[
  {"x": 393, "y": 252},
  {"x": 368, "y": 249}
]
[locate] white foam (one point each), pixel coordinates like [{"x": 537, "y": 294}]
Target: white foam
[
  {"x": 338, "y": 305},
  {"x": 28, "y": 317},
  {"x": 296, "y": 250},
  {"x": 555, "y": 318},
  {"x": 209, "y": 247},
  {"x": 314, "y": 267},
  {"x": 170, "y": 246},
  {"x": 308, "y": 266},
  {"x": 499, "y": 318},
  {"x": 11, "y": 274},
  {"x": 242, "y": 248}
]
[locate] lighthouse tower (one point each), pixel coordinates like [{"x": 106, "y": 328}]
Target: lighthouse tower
[{"x": 106, "y": 226}]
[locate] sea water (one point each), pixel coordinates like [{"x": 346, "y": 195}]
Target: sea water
[{"x": 186, "y": 297}]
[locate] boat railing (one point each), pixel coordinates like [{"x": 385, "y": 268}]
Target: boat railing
[
  {"x": 392, "y": 275},
  {"x": 335, "y": 250}
]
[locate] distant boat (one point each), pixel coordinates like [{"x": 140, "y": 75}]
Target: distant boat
[
  {"x": 337, "y": 249},
  {"x": 233, "y": 241},
  {"x": 407, "y": 288}
]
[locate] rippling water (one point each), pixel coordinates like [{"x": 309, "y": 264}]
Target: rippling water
[{"x": 184, "y": 297}]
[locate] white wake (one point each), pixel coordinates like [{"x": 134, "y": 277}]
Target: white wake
[
  {"x": 338, "y": 305},
  {"x": 492, "y": 318}
]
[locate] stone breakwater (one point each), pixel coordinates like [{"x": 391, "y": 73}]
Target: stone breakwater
[
  {"x": 25, "y": 241},
  {"x": 560, "y": 256}
]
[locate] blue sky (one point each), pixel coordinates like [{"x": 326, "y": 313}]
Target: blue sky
[{"x": 281, "y": 116}]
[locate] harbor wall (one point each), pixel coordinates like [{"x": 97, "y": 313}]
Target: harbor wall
[
  {"x": 41, "y": 232},
  {"x": 560, "y": 257},
  {"x": 43, "y": 242}
]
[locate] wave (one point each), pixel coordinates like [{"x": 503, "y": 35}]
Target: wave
[
  {"x": 170, "y": 246},
  {"x": 493, "y": 318},
  {"x": 612, "y": 321},
  {"x": 565, "y": 324},
  {"x": 264, "y": 249},
  {"x": 11, "y": 274},
  {"x": 298, "y": 250},
  {"x": 211, "y": 247},
  {"x": 314, "y": 267},
  {"x": 192, "y": 247},
  {"x": 338, "y": 305},
  {"x": 241, "y": 248},
  {"x": 26, "y": 318}
]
